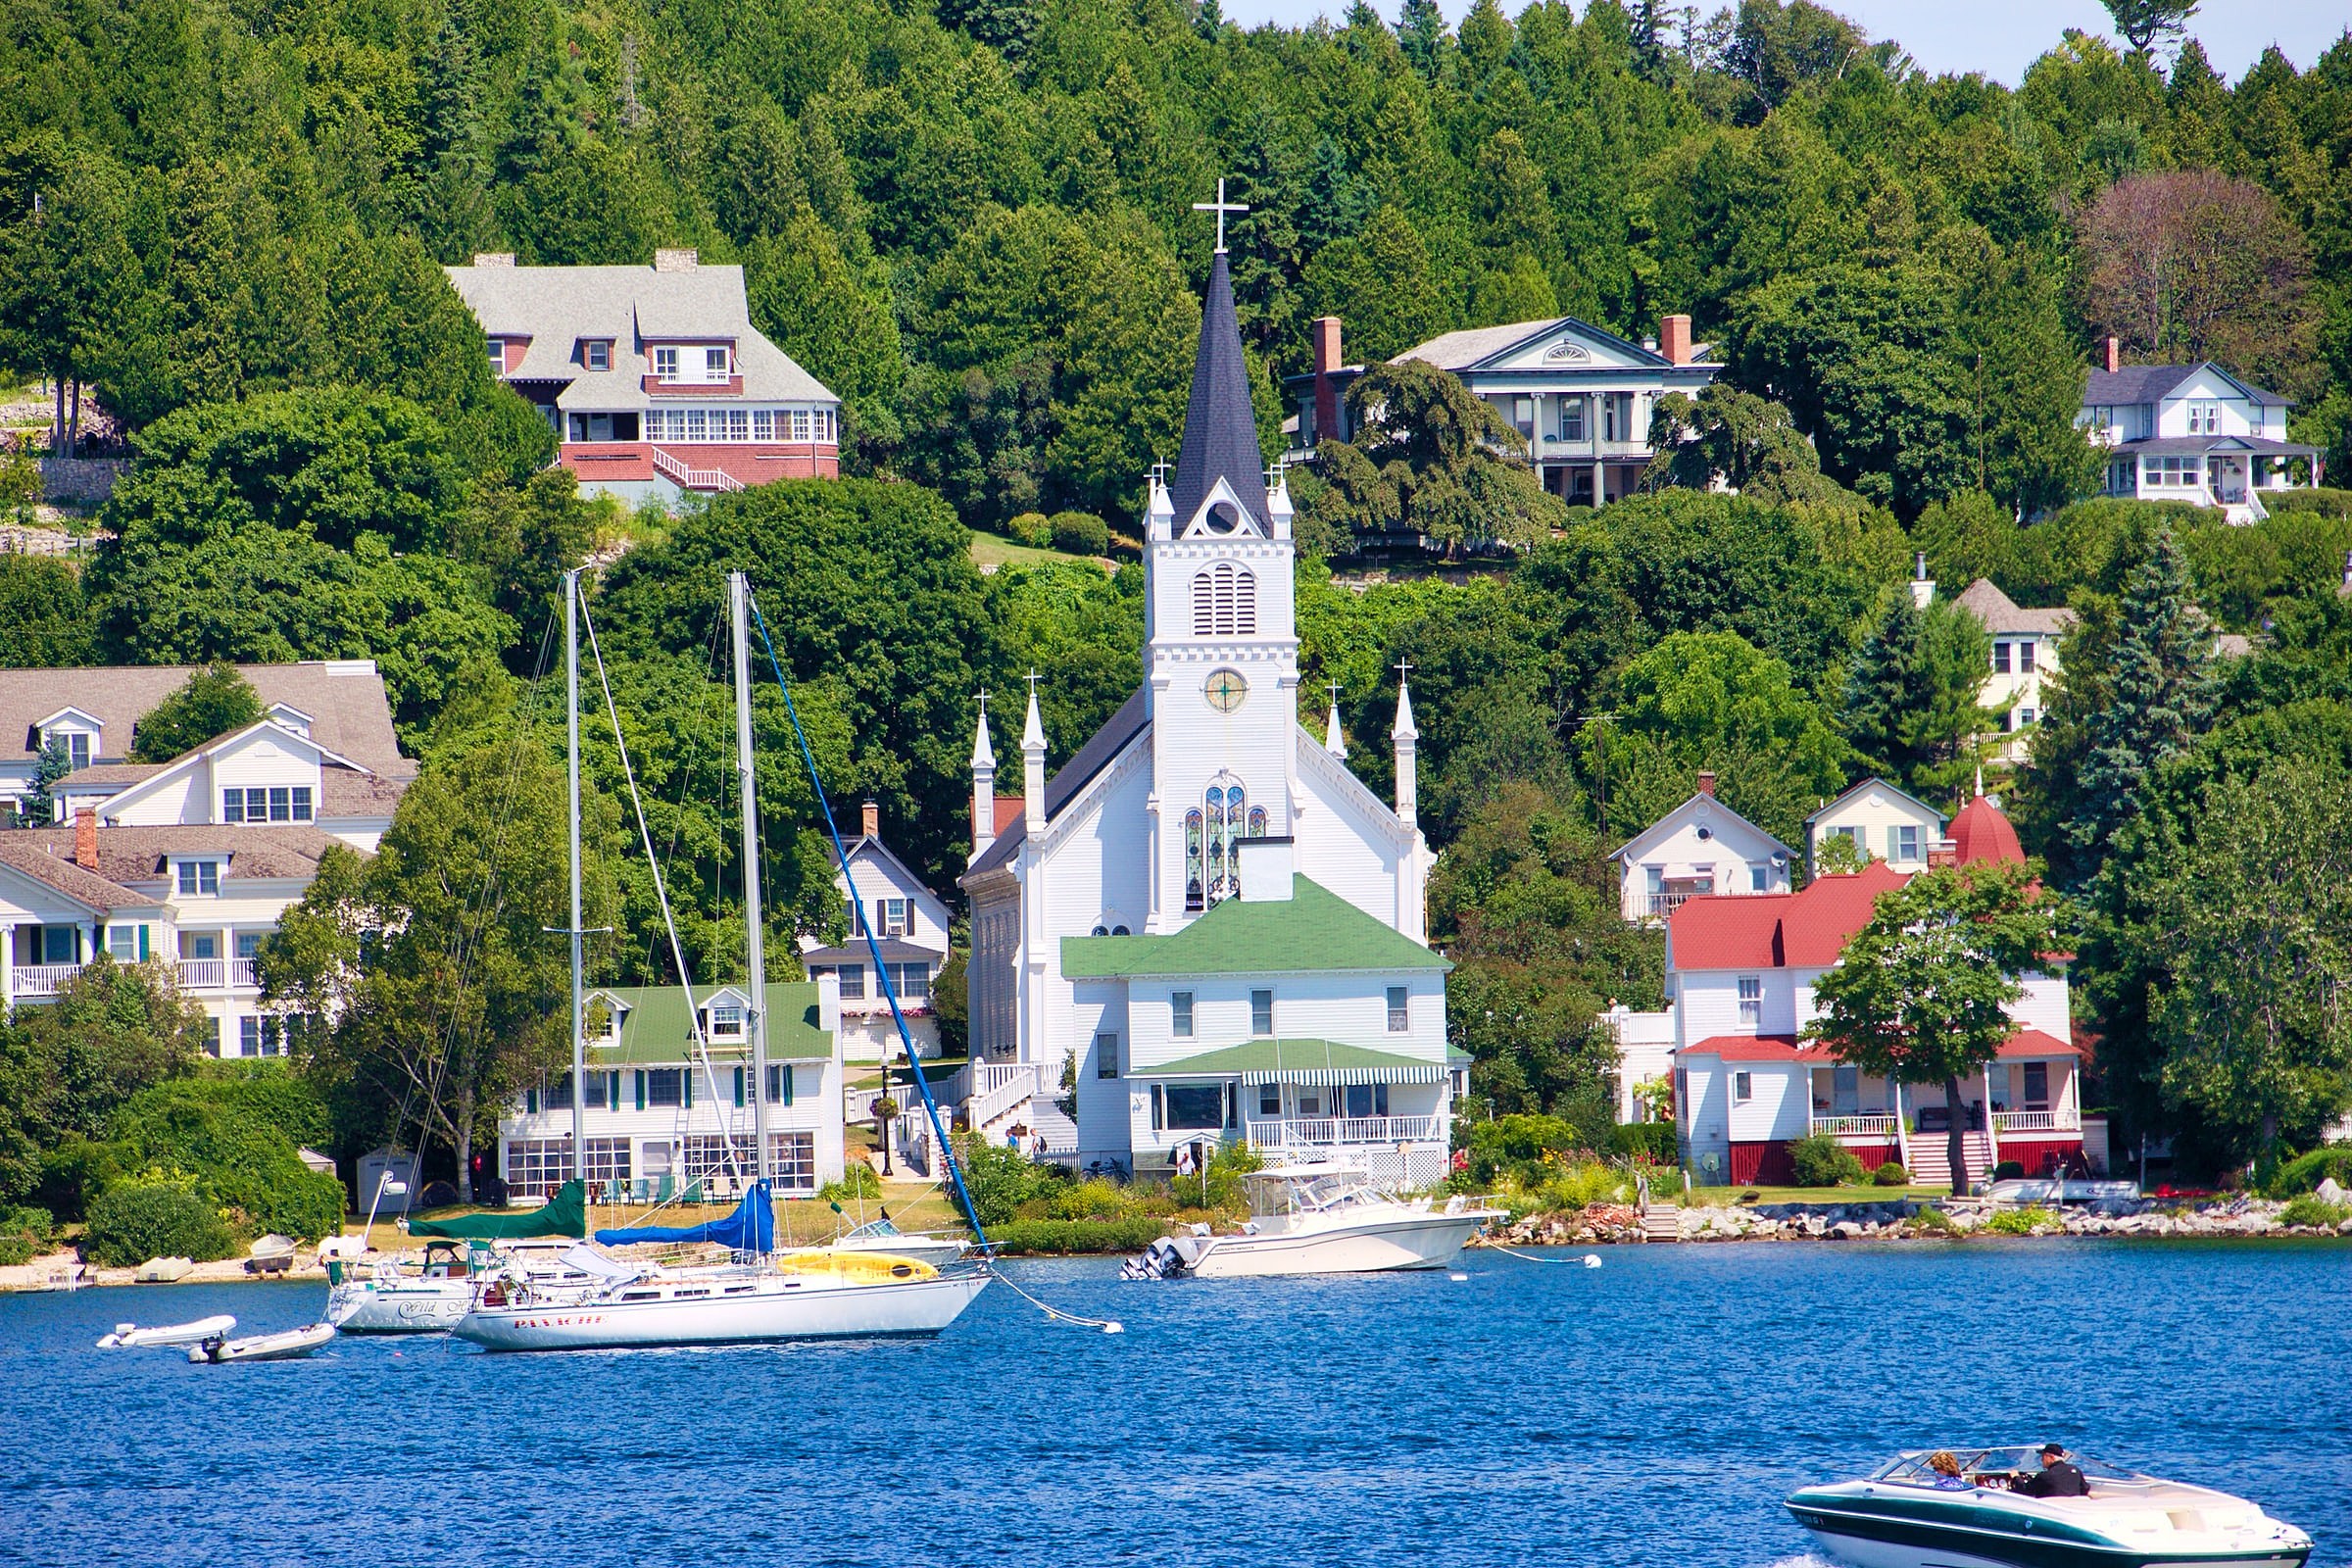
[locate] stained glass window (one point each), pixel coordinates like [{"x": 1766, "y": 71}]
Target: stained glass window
[{"x": 1195, "y": 885}]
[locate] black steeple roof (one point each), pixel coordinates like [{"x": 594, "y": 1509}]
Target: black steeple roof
[{"x": 1220, "y": 429}]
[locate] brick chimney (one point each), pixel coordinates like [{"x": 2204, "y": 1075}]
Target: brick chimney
[
  {"x": 1327, "y": 393},
  {"x": 1944, "y": 852},
  {"x": 1674, "y": 338},
  {"x": 494, "y": 258},
  {"x": 676, "y": 261},
  {"x": 1706, "y": 782},
  {"x": 872, "y": 823},
  {"x": 2113, "y": 349},
  {"x": 85, "y": 839}
]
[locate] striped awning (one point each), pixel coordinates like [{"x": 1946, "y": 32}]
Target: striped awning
[{"x": 1316, "y": 1064}]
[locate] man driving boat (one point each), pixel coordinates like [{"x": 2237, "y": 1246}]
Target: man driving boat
[{"x": 2056, "y": 1478}]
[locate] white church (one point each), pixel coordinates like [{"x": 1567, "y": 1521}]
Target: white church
[{"x": 1202, "y": 922}]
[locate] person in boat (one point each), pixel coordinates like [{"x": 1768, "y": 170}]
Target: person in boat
[
  {"x": 1945, "y": 1468},
  {"x": 2057, "y": 1478}
]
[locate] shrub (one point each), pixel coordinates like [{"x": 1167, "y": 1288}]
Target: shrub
[
  {"x": 1582, "y": 1186},
  {"x": 2020, "y": 1221},
  {"x": 1226, "y": 1169},
  {"x": 1081, "y": 533},
  {"x": 1066, "y": 1236},
  {"x": 2304, "y": 1174},
  {"x": 1821, "y": 1160},
  {"x": 1098, "y": 1197},
  {"x": 1932, "y": 1218},
  {"x": 1651, "y": 1141},
  {"x": 156, "y": 1216},
  {"x": 2009, "y": 1170},
  {"x": 1891, "y": 1174},
  {"x": 224, "y": 1132},
  {"x": 1001, "y": 1180},
  {"x": 2309, "y": 1208},
  {"x": 75, "y": 1172},
  {"x": 1518, "y": 1146},
  {"x": 857, "y": 1179},
  {"x": 25, "y": 1234},
  {"x": 1032, "y": 528}
]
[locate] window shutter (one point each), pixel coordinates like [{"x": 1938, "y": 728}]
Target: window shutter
[
  {"x": 531, "y": 1101},
  {"x": 686, "y": 1089},
  {"x": 784, "y": 1082},
  {"x": 739, "y": 1088},
  {"x": 142, "y": 944},
  {"x": 612, "y": 1090},
  {"x": 641, "y": 1089}
]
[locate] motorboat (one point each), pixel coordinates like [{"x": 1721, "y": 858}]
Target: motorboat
[
  {"x": 129, "y": 1335},
  {"x": 1321, "y": 1218},
  {"x": 881, "y": 1236},
  {"x": 2057, "y": 1190},
  {"x": 286, "y": 1345},
  {"x": 794, "y": 1296},
  {"x": 393, "y": 1297},
  {"x": 1904, "y": 1515}
]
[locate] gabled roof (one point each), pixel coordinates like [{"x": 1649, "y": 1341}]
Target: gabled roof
[
  {"x": 1670, "y": 820},
  {"x": 2195, "y": 446},
  {"x": 655, "y": 1028},
  {"x": 30, "y": 855},
  {"x": 1221, "y": 427},
  {"x": 1877, "y": 784},
  {"x": 864, "y": 845},
  {"x": 2152, "y": 383},
  {"x": 1806, "y": 930},
  {"x": 1100, "y": 751},
  {"x": 1999, "y": 613},
  {"x": 1314, "y": 929},
  {"x": 1474, "y": 348},
  {"x": 345, "y": 698},
  {"x": 128, "y": 855}
]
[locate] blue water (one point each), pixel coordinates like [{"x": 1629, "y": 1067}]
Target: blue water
[{"x": 1654, "y": 1410}]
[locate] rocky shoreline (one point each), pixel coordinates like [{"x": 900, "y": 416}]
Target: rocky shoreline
[
  {"x": 1905, "y": 1219},
  {"x": 65, "y": 1271}
]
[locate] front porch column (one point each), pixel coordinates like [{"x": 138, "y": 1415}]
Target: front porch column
[
  {"x": 8, "y": 969},
  {"x": 1993, "y": 1128}
]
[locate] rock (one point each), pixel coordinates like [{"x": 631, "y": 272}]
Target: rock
[
  {"x": 1844, "y": 1230},
  {"x": 2329, "y": 1190},
  {"x": 2344, "y": 1227}
]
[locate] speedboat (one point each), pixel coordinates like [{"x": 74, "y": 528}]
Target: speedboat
[
  {"x": 1320, "y": 1219},
  {"x": 391, "y": 1298},
  {"x": 128, "y": 1336},
  {"x": 1900, "y": 1517},
  {"x": 883, "y": 1237},
  {"x": 282, "y": 1347}
]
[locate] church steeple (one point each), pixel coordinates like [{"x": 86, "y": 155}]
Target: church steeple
[{"x": 1220, "y": 429}]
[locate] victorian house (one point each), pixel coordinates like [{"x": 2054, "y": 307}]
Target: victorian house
[{"x": 2190, "y": 432}]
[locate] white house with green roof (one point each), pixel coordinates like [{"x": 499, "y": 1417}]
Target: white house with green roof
[
  {"x": 659, "y": 1117},
  {"x": 1204, "y": 919}
]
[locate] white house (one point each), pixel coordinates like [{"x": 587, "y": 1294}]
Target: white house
[
  {"x": 1882, "y": 821},
  {"x": 1747, "y": 1083},
  {"x": 2190, "y": 432},
  {"x": 1581, "y": 395},
  {"x": 909, "y": 924},
  {"x": 188, "y": 862},
  {"x": 1701, "y": 847},
  {"x": 660, "y": 1119},
  {"x": 1204, "y": 914}
]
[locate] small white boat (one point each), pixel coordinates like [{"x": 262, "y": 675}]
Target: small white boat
[
  {"x": 163, "y": 1271},
  {"x": 2033, "y": 1190},
  {"x": 129, "y": 1336},
  {"x": 281, "y": 1346},
  {"x": 1320, "y": 1219},
  {"x": 882, "y": 1235},
  {"x": 393, "y": 1297}
]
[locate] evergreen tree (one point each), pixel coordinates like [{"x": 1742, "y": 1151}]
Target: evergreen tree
[
  {"x": 2159, "y": 694},
  {"x": 2144, "y": 23},
  {"x": 1421, "y": 36},
  {"x": 1209, "y": 21},
  {"x": 1650, "y": 61},
  {"x": 52, "y": 764},
  {"x": 1910, "y": 693}
]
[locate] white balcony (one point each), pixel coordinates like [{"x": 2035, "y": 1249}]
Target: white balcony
[
  {"x": 31, "y": 980},
  {"x": 203, "y": 974},
  {"x": 242, "y": 975},
  {"x": 1870, "y": 1127},
  {"x": 1326, "y": 1131},
  {"x": 2006, "y": 1123}
]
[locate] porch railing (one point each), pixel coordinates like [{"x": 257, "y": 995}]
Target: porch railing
[
  {"x": 1325, "y": 1130},
  {"x": 2006, "y": 1122},
  {"x": 1855, "y": 1126},
  {"x": 999, "y": 1088},
  {"x": 42, "y": 979},
  {"x": 203, "y": 974},
  {"x": 241, "y": 972}
]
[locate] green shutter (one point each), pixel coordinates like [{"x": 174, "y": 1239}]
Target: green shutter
[
  {"x": 641, "y": 1089},
  {"x": 531, "y": 1101},
  {"x": 784, "y": 1073},
  {"x": 142, "y": 944},
  {"x": 612, "y": 1090},
  {"x": 739, "y": 1089},
  {"x": 686, "y": 1094}
]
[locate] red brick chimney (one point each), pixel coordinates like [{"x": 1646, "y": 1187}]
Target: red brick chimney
[
  {"x": 1327, "y": 393},
  {"x": 1944, "y": 852},
  {"x": 85, "y": 839},
  {"x": 2114, "y": 348},
  {"x": 873, "y": 820},
  {"x": 1706, "y": 782},
  {"x": 1674, "y": 338}
]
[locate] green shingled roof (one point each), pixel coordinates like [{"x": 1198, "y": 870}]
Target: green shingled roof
[
  {"x": 1311, "y": 1062},
  {"x": 655, "y": 1028},
  {"x": 1315, "y": 929}
]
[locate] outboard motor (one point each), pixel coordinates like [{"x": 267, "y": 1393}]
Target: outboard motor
[{"x": 1163, "y": 1259}]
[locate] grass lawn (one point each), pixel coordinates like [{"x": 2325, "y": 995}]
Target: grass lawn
[
  {"x": 995, "y": 550},
  {"x": 1728, "y": 1196}
]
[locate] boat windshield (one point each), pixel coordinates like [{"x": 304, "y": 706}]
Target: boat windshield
[
  {"x": 872, "y": 1227},
  {"x": 1983, "y": 1462}
]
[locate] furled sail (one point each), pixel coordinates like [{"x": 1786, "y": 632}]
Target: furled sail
[{"x": 751, "y": 1228}]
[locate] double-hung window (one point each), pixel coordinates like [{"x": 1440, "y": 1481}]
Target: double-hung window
[
  {"x": 2000, "y": 659},
  {"x": 852, "y": 981},
  {"x": 1180, "y": 1014},
  {"x": 714, "y": 364},
  {"x": 123, "y": 942},
  {"x": 1270, "y": 1099},
  {"x": 665, "y": 1086},
  {"x": 1261, "y": 1013},
  {"x": 2025, "y": 658},
  {"x": 666, "y": 364},
  {"x": 199, "y": 877},
  {"x": 1743, "y": 1088},
  {"x": 1751, "y": 1001},
  {"x": 1904, "y": 842},
  {"x": 895, "y": 916},
  {"x": 598, "y": 356},
  {"x": 1106, "y": 1055},
  {"x": 1401, "y": 1010},
  {"x": 780, "y": 1083}
]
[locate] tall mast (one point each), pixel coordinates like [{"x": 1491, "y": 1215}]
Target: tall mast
[
  {"x": 571, "y": 762},
  {"x": 754, "y": 949}
]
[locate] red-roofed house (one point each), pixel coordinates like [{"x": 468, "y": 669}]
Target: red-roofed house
[{"x": 1739, "y": 977}]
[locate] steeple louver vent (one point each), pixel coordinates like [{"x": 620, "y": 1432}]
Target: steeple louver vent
[{"x": 1225, "y": 601}]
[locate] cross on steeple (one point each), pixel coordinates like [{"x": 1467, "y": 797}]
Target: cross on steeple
[
  {"x": 1034, "y": 678},
  {"x": 1335, "y": 694},
  {"x": 1220, "y": 207},
  {"x": 1402, "y": 668}
]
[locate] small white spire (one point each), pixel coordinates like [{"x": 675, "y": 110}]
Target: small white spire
[
  {"x": 1407, "y": 742},
  {"x": 1333, "y": 741},
  {"x": 984, "y": 755},
  {"x": 1033, "y": 732},
  {"x": 1033, "y": 767},
  {"x": 1404, "y": 730}
]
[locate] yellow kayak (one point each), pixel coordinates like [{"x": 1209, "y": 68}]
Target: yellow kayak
[{"x": 865, "y": 1269}]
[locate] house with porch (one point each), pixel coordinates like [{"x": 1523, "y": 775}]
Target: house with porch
[
  {"x": 1581, "y": 395},
  {"x": 656, "y": 381},
  {"x": 188, "y": 862},
  {"x": 2190, "y": 432},
  {"x": 1700, "y": 848},
  {"x": 909, "y": 923},
  {"x": 662, "y": 1116},
  {"x": 1747, "y": 1083},
  {"x": 1881, "y": 822}
]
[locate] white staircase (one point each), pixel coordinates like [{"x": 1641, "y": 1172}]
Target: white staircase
[
  {"x": 692, "y": 478},
  {"x": 1930, "y": 1157}
]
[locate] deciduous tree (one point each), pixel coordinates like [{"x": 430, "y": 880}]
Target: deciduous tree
[{"x": 215, "y": 701}]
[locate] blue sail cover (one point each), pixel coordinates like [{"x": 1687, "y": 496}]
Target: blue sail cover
[{"x": 751, "y": 1228}]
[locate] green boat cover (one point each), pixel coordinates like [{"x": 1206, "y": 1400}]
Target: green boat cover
[{"x": 565, "y": 1214}]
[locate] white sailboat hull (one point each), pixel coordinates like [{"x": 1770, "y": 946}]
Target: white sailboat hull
[
  {"x": 1414, "y": 1240},
  {"x": 410, "y": 1306},
  {"x": 778, "y": 1308}
]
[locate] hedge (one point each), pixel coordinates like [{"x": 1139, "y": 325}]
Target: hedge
[
  {"x": 156, "y": 1216},
  {"x": 1821, "y": 1160},
  {"x": 2305, "y": 1174},
  {"x": 1060, "y": 1237},
  {"x": 1653, "y": 1140},
  {"x": 224, "y": 1132}
]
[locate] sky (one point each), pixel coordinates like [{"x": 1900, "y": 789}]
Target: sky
[{"x": 1998, "y": 37}]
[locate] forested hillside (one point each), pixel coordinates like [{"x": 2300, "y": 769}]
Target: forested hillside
[{"x": 223, "y": 223}]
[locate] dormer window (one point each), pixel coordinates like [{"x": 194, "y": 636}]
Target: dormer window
[
  {"x": 199, "y": 878},
  {"x": 498, "y": 355},
  {"x": 714, "y": 364},
  {"x": 724, "y": 1020},
  {"x": 597, "y": 354},
  {"x": 666, "y": 364},
  {"x": 78, "y": 749}
]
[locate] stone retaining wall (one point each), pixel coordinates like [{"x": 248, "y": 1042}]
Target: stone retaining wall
[{"x": 1902, "y": 1219}]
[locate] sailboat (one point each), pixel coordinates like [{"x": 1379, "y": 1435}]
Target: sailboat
[{"x": 759, "y": 1294}]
